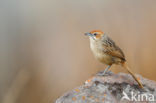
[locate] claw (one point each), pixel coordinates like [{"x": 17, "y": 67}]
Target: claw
[{"x": 103, "y": 73}]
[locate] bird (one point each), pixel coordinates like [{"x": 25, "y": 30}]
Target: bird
[{"x": 106, "y": 51}]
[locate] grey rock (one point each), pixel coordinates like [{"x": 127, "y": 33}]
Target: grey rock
[{"x": 112, "y": 88}]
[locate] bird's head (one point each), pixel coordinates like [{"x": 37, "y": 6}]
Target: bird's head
[{"x": 95, "y": 35}]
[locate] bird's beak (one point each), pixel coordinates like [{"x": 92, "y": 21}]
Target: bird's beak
[{"x": 88, "y": 34}]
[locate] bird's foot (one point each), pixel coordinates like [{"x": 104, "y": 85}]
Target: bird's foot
[{"x": 103, "y": 73}]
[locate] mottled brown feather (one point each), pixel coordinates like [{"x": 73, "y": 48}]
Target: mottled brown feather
[{"x": 111, "y": 48}]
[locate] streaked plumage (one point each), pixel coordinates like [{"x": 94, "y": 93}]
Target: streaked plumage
[{"x": 106, "y": 51}]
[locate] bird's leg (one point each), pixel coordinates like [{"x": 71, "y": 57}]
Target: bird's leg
[{"x": 105, "y": 71}]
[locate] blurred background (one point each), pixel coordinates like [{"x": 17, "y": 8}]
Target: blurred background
[{"x": 44, "y": 53}]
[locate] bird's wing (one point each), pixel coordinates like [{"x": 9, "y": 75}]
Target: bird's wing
[{"x": 112, "y": 49}]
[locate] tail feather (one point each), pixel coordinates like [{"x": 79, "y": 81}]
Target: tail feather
[{"x": 128, "y": 69}]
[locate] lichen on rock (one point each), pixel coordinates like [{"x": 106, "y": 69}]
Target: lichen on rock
[{"x": 112, "y": 88}]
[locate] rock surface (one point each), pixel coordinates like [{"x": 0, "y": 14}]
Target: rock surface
[{"x": 112, "y": 88}]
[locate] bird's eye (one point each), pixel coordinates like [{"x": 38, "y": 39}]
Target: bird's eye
[{"x": 95, "y": 34}]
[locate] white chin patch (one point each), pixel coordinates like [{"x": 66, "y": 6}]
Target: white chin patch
[{"x": 92, "y": 37}]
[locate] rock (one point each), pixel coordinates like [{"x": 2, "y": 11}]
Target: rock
[{"x": 112, "y": 88}]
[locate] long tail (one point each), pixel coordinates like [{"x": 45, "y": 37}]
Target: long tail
[{"x": 126, "y": 67}]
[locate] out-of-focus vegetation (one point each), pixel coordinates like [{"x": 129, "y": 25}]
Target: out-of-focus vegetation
[{"x": 44, "y": 51}]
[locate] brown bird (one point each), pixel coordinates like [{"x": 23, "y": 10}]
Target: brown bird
[{"x": 106, "y": 51}]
